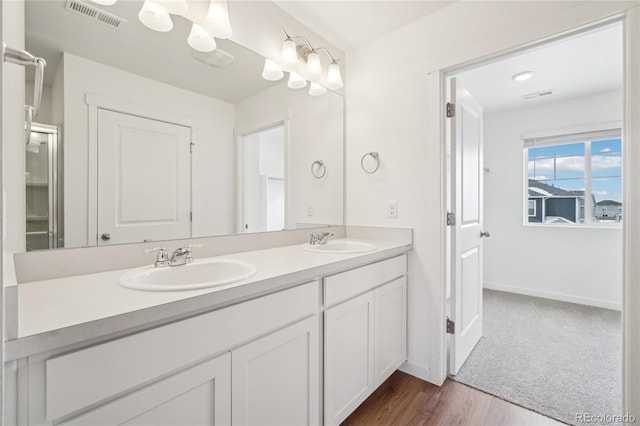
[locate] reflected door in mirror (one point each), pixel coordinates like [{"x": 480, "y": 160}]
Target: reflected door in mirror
[
  {"x": 144, "y": 179},
  {"x": 263, "y": 175}
]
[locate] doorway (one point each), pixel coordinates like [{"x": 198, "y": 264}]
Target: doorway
[
  {"x": 262, "y": 199},
  {"x": 552, "y": 171}
]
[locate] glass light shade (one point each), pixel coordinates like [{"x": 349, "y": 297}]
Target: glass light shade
[
  {"x": 200, "y": 39},
  {"x": 176, "y": 7},
  {"x": 334, "y": 79},
  {"x": 296, "y": 81},
  {"x": 289, "y": 52},
  {"x": 271, "y": 71},
  {"x": 105, "y": 2},
  {"x": 317, "y": 90},
  {"x": 155, "y": 17},
  {"x": 314, "y": 68},
  {"x": 218, "y": 19}
]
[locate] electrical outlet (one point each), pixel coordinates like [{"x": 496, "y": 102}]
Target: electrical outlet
[
  {"x": 309, "y": 209},
  {"x": 392, "y": 209}
]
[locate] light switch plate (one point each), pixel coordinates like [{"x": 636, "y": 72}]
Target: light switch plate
[{"x": 392, "y": 209}]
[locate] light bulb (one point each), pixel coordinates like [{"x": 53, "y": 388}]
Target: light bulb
[
  {"x": 314, "y": 69},
  {"x": 334, "y": 79},
  {"x": 316, "y": 89},
  {"x": 200, "y": 39},
  {"x": 155, "y": 17},
  {"x": 105, "y": 2},
  {"x": 296, "y": 81},
  {"x": 217, "y": 21},
  {"x": 289, "y": 53},
  {"x": 271, "y": 71},
  {"x": 176, "y": 7}
]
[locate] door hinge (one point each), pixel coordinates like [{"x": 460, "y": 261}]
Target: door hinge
[
  {"x": 451, "y": 218},
  {"x": 191, "y": 145},
  {"x": 451, "y": 110},
  {"x": 190, "y": 216},
  {"x": 451, "y": 326}
]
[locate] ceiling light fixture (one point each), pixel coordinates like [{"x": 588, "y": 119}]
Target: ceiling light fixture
[
  {"x": 302, "y": 62},
  {"x": 156, "y": 15},
  {"x": 105, "y": 2},
  {"x": 522, "y": 76}
]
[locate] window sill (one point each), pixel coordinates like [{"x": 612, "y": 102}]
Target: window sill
[{"x": 574, "y": 226}]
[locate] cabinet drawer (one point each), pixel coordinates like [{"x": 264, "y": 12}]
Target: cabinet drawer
[
  {"x": 83, "y": 378},
  {"x": 345, "y": 285}
]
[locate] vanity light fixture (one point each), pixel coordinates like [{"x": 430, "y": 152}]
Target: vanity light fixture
[
  {"x": 271, "y": 71},
  {"x": 156, "y": 15},
  {"x": 522, "y": 76},
  {"x": 306, "y": 58}
]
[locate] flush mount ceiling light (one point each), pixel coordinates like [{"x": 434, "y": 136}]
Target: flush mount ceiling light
[
  {"x": 306, "y": 58},
  {"x": 105, "y": 2},
  {"x": 156, "y": 15},
  {"x": 522, "y": 76}
]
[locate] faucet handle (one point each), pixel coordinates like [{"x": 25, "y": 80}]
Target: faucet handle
[
  {"x": 187, "y": 250},
  {"x": 163, "y": 257}
]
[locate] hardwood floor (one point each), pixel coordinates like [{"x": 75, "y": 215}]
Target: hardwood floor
[{"x": 407, "y": 400}]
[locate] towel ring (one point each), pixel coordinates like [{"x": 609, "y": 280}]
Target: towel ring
[
  {"x": 316, "y": 168},
  {"x": 376, "y": 157}
]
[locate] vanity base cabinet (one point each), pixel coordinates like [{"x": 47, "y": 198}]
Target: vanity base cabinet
[
  {"x": 276, "y": 379},
  {"x": 199, "y": 395},
  {"x": 364, "y": 334}
]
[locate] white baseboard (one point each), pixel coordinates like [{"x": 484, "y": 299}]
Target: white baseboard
[
  {"x": 555, "y": 296},
  {"x": 419, "y": 371}
]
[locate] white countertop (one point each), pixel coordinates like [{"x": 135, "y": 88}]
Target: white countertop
[{"x": 63, "y": 311}]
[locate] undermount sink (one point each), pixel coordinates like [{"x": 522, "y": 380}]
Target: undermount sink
[
  {"x": 196, "y": 275},
  {"x": 341, "y": 247}
]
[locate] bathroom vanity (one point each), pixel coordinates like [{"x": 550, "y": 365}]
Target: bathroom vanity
[{"x": 304, "y": 340}]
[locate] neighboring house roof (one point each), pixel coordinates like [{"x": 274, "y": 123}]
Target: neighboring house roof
[
  {"x": 537, "y": 189},
  {"x": 608, "y": 203},
  {"x": 556, "y": 219}
]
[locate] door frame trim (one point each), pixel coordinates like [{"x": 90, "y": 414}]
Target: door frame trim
[
  {"x": 438, "y": 82},
  {"x": 97, "y": 102}
]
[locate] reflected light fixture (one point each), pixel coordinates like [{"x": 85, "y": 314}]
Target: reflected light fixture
[
  {"x": 306, "y": 58},
  {"x": 271, "y": 71},
  {"x": 156, "y": 15},
  {"x": 522, "y": 76}
]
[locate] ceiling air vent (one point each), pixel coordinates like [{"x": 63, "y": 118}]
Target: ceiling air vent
[
  {"x": 218, "y": 58},
  {"x": 95, "y": 14},
  {"x": 538, "y": 94}
]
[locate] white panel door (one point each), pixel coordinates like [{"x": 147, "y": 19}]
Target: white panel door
[
  {"x": 200, "y": 395},
  {"x": 390, "y": 328},
  {"x": 348, "y": 357},
  {"x": 276, "y": 379},
  {"x": 144, "y": 179},
  {"x": 466, "y": 144}
]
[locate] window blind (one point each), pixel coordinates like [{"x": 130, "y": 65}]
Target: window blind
[{"x": 572, "y": 137}]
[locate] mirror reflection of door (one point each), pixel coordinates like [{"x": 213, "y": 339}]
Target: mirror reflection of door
[
  {"x": 263, "y": 176},
  {"x": 144, "y": 179}
]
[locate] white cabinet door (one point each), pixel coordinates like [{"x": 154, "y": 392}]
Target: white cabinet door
[
  {"x": 144, "y": 179},
  {"x": 348, "y": 351},
  {"x": 276, "y": 379},
  {"x": 390, "y": 328},
  {"x": 200, "y": 395}
]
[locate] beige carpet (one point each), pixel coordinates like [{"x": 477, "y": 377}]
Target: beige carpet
[{"x": 556, "y": 358}]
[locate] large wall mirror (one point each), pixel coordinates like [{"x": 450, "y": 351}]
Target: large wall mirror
[{"x": 142, "y": 138}]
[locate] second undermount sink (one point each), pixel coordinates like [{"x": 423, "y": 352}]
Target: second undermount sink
[
  {"x": 192, "y": 276},
  {"x": 341, "y": 247}
]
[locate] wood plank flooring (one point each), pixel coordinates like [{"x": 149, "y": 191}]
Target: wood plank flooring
[{"x": 407, "y": 400}]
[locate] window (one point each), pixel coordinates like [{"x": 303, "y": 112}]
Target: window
[{"x": 575, "y": 179}]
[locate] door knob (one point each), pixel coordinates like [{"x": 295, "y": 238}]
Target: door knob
[
  {"x": 485, "y": 234},
  {"x": 106, "y": 236}
]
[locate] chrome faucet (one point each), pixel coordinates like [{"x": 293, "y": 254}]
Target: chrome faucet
[
  {"x": 180, "y": 256},
  {"x": 320, "y": 238}
]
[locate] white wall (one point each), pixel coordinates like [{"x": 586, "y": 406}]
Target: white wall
[
  {"x": 315, "y": 127},
  {"x": 212, "y": 167},
  {"x": 575, "y": 264},
  {"x": 393, "y": 106}
]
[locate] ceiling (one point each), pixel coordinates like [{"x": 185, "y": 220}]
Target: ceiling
[
  {"x": 582, "y": 65},
  {"x": 165, "y": 57},
  {"x": 349, "y": 24}
]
